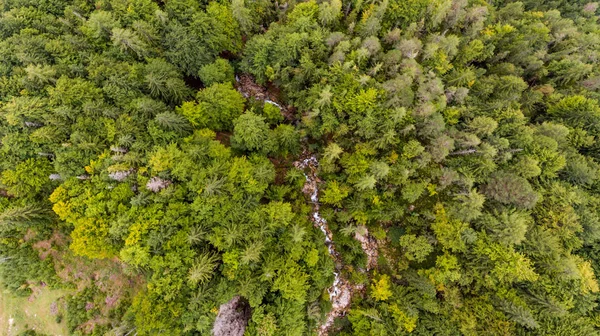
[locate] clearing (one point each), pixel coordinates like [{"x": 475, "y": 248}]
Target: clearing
[{"x": 37, "y": 312}]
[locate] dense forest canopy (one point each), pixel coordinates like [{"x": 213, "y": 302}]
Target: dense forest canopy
[{"x": 335, "y": 167}]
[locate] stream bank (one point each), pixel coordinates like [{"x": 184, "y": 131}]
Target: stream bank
[{"x": 341, "y": 291}]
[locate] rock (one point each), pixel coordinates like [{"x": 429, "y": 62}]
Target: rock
[
  {"x": 232, "y": 318},
  {"x": 120, "y": 175},
  {"x": 157, "y": 184}
]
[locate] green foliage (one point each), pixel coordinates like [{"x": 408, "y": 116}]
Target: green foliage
[
  {"x": 78, "y": 308},
  {"x": 164, "y": 81},
  {"x": 202, "y": 270},
  {"x": 417, "y": 248},
  {"x": 197, "y": 37},
  {"x": 250, "y": 132},
  {"x": 380, "y": 289},
  {"x": 272, "y": 113},
  {"x": 30, "y": 333},
  {"x": 23, "y": 216},
  {"x": 403, "y": 13},
  {"x": 216, "y": 107},
  {"x": 577, "y": 112},
  {"x": 21, "y": 265},
  {"x": 287, "y": 139},
  {"x": 28, "y": 178},
  {"x": 510, "y": 189},
  {"x": 173, "y": 122},
  {"x": 220, "y": 71},
  {"x": 452, "y": 147}
]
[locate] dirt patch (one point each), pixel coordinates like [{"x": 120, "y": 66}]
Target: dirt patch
[
  {"x": 224, "y": 138},
  {"x": 29, "y": 235},
  {"x": 246, "y": 85},
  {"x": 89, "y": 326},
  {"x": 369, "y": 246},
  {"x": 340, "y": 304},
  {"x": 36, "y": 291},
  {"x": 51, "y": 247},
  {"x": 249, "y": 88}
]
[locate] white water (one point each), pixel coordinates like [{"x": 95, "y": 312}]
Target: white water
[
  {"x": 273, "y": 103},
  {"x": 340, "y": 292},
  {"x": 320, "y": 222}
]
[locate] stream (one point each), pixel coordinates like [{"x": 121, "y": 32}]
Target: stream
[{"x": 340, "y": 292}]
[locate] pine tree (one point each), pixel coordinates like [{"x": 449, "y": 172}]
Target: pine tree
[
  {"x": 250, "y": 132},
  {"x": 127, "y": 40},
  {"x": 24, "y": 216},
  {"x": 203, "y": 268},
  {"x": 173, "y": 122},
  {"x": 519, "y": 314}
]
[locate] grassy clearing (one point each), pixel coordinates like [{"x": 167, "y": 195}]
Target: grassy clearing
[{"x": 31, "y": 313}]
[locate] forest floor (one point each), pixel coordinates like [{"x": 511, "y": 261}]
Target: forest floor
[
  {"x": 36, "y": 312},
  {"x": 246, "y": 85}
]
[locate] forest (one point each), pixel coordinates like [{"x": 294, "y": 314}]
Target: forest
[{"x": 288, "y": 168}]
